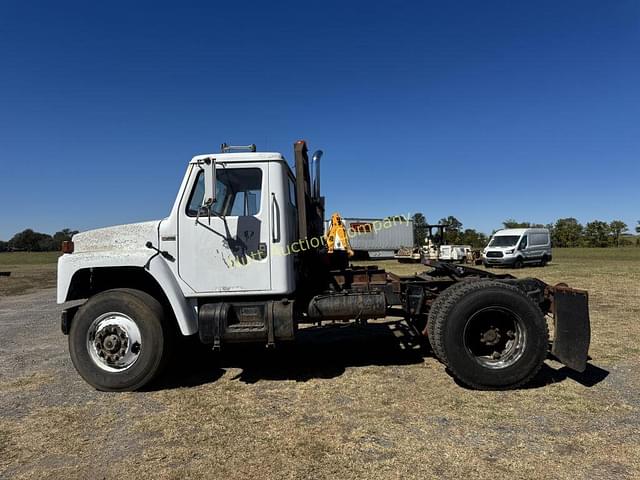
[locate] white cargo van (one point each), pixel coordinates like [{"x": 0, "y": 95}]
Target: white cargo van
[{"x": 517, "y": 247}]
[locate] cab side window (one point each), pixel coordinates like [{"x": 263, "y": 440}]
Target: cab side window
[
  {"x": 292, "y": 191},
  {"x": 238, "y": 193}
]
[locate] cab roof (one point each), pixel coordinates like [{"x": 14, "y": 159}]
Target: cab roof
[
  {"x": 240, "y": 157},
  {"x": 518, "y": 231}
]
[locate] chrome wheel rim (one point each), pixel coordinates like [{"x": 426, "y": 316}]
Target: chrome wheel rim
[
  {"x": 114, "y": 342},
  {"x": 495, "y": 337}
]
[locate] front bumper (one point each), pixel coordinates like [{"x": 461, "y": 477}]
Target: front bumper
[
  {"x": 499, "y": 260},
  {"x": 66, "y": 317}
]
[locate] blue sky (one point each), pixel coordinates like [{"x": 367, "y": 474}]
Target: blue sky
[{"x": 482, "y": 110}]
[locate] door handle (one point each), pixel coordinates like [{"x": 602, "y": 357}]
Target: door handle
[{"x": 275, "y": 218}]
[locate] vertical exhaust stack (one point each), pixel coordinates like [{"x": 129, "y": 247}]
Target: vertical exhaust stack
[
  {"x": 315, "y": 174},
  {"x": 303, "y": 187},
  {"x": 318, "y": 200}
]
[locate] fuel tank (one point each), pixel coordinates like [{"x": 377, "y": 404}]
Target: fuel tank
[{"x": 347, "y": 306}]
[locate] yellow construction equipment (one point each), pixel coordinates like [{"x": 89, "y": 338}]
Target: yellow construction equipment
[{"x": 337, "y": 237}]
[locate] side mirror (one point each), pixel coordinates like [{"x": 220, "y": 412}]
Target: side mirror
[{"x": 209, "y": 167}]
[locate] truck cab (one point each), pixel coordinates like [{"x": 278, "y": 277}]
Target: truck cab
[{"x": 238, "y": 245}]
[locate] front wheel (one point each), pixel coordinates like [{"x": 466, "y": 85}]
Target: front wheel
[
  {"x": 490, "y": 334},
  {"x": 518, "y": 263},
  {"x": 118, "y": 340}
]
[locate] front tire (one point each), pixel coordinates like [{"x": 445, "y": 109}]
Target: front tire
[
  {"x": 490, "y": 334},
  {"x": 119, "y": 340},
  {"x": 518, "y": 263}
]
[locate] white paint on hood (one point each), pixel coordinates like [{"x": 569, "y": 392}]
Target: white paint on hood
[{"x": 131, "y": 236}]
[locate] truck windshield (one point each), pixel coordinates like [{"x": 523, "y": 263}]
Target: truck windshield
[{"x": 504, "y": 241}]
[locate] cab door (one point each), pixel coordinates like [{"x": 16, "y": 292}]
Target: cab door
[
  {"x": 523, "y": 247},
  {"x": 227, "y": 249}
]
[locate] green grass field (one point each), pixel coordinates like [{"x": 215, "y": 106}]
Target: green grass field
[
  {"x": 29, "y": 271},
  {"x": 20, "y": 259}
]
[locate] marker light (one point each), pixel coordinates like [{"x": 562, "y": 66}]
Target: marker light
[{"x": 67, "y": 246}]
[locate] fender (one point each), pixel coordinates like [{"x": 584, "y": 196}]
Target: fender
[{"x": 184, "y": 310}]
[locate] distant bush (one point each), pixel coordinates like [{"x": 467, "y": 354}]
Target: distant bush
[{"x": 30, "y": 241}]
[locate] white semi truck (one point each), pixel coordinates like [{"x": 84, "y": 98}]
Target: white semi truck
[{"x": 242, "y": 258}]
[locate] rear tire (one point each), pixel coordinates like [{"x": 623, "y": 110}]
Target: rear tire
[
  {"x": 490, "y": 334},
  {"x": 434, "y": 313},
  {"x": 119, "y": 340},
  {"x": 429, "y": 330},
  {"x": 543, "y": 262}
]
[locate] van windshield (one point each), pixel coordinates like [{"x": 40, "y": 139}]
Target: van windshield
[{"x": 504, "y": 241}]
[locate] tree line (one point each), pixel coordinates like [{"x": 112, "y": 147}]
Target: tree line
[
  {"x": 568, "y": 232},
  {"x": 565, "y": 232},
  {"x": 30, "y": 241}
]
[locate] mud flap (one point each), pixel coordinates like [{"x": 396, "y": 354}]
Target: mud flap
[{"x": 572, "y": 327}]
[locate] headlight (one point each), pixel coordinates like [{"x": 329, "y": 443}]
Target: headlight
[{"x": 509, "y": 251}]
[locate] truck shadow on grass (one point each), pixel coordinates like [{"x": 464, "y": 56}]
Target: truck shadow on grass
[
  {"x": 549, "y": 375},
  {"x": 324, "y": 353}
]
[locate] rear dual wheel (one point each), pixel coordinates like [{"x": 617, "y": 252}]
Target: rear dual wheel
[{"x": 489, "y": 334}]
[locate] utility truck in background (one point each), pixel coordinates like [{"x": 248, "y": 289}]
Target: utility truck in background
[
  {"x": 242, "y": 257},
  {"x": 434, "y": 248}
]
